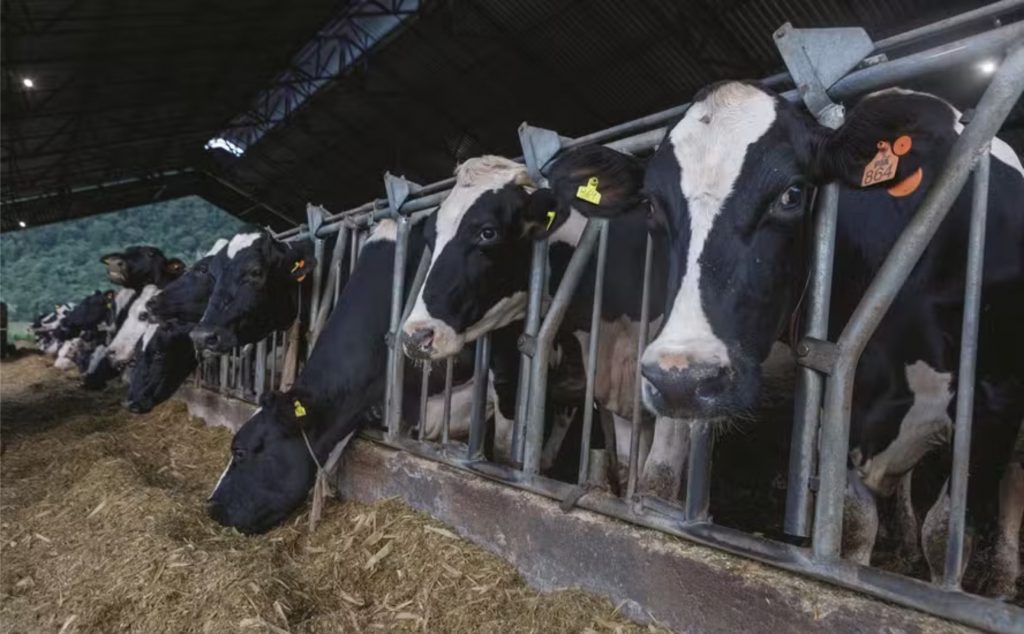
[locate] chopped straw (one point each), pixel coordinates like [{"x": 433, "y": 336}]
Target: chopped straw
[{"x": 102, "y": 529}]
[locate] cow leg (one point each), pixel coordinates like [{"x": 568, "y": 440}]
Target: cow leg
[
  {"x": 561, "y": 421},
  {"x": 1006, "y": 559},
  {"x": 860, "y": 521},
  {"x": 935, "y": 531},
  {"x": 611, "y": 443},
  {"x": 662, "y": 474},
  {"x": 905, "y": 520}
]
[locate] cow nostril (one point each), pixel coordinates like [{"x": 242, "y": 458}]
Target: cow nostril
[
  {"x": 422, "y": 337},
  {"x": 714, "y": 383},
  {"x": 211, "y": 340}
]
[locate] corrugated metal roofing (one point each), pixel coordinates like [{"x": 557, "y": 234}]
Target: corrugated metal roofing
[{"x": 455, "y": 81}]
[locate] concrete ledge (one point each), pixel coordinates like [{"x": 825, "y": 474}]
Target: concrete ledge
[
  {"x": 685, "y": 587},
  {"x": 215, "y": 410}
]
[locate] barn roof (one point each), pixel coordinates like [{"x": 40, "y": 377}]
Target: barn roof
[{"x": 322, "y": 97}]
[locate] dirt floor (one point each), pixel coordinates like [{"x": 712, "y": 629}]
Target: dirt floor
[{"x": 102, "y": 530}]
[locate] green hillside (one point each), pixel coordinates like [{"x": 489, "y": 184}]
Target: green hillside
[{"x": 57, "y": 263}]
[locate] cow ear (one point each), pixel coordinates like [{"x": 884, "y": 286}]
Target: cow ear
[
  {"x": 300, "y": 259},
  {"x": 174, "y": 267},
  {"x": 597, "y": 181},
  {"x": 542, "y": 215},
  {"x": 894, "y": 140}
]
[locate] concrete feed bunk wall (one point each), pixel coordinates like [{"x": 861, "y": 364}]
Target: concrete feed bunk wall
[{"x": 655, "y": 577}]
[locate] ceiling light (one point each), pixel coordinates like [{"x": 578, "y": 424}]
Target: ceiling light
[
  {"x": 224, "y": 144},
  {"x": 987, "y": 67},
  {"x": 21, "y": 223},
  {"x": 27, "y": 82}
]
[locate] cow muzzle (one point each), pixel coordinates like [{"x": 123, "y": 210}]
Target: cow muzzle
[{"x": 430, "y": 339}]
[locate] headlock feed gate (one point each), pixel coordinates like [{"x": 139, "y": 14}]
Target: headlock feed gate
[{"x": 827, "y": 66}]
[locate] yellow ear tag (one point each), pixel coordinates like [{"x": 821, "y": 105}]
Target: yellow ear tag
[
  {"x": 298, "y": 265},
  {"x": 551, "y": 220},
  {"x": 300, "y": 411},
  {"x": 589, "y": 192}
]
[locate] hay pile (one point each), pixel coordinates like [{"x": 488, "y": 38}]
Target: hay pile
[{"x": 102, "y": 529}]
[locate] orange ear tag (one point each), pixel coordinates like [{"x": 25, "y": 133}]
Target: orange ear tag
[
  {"x": 902, "y": 145},
  {"x": 881, "y": 168},
  {"x": 908, "y": 185}
]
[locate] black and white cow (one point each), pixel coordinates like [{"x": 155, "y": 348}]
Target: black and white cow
[
  {"x": 479, "y": 275},
  {"x": 256, "y": 292},
  {"x": 165, "y": 356},
  {"x": 271, "y": 470},
  {"x": 138, "y": 266},
  {"x": 45, "y": 328},
  {"x": 730, "y": 188}
]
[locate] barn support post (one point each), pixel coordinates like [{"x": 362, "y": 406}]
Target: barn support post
[
  {"x": 815, "y": 59},
  {"x": 478, "y": 415},
  {"x": 995, "y": 104},
  {"x": 633, "y": 472},
  {"x": 592, "y": 353},
  {"x": 965, "y": 380},
  {"x": 546, "y": 336}
]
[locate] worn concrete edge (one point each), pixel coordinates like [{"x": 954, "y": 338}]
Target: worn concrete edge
[{"x": 651, "y": 576}]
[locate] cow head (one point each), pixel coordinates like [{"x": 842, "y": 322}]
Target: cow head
[
  {"x": 185, "y": 298},
  {"x": 86, "y": 315},
  {"x": 255, "y": 292},
  {"x": 480, "y": 265},
  {"x": 270, "y": 470},
  {"x": 164, "y": 358},
  {"x": 138, "y": 266},
  {"x": 731, "y": 185},
  {"x": 134, "y": 328}
]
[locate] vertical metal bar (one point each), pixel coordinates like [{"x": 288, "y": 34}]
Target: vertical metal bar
[
  {"x": 223, "y": 360},
  {"x": 417, "y": 284},
  {"x": 698, "y": 471},
  {"x": 641, "y": 343},
  {"x": 260, "y": 375},
  {"x": 396, "y": 364},
  {"x": 446, "y": 416},
  {"x": 478, "y": 416},
  {"x": 965, "y": 380},
  {"x": 354, "y": 250},
  {"x": 807, "y": 399},
  {"x": 337, "y": 285},
  {"x": 424, "y": 395},
  {"x": 273, "y": 360},
  {"x": 538, "y": 275},
  {"x": 316, "y": 294},
  {"x": 592, "y": 351},
  {"x": 995, "y": 104},
  {"x": 546, "y": 335}
]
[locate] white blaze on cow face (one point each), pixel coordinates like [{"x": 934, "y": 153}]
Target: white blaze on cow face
[
  {"x": 474, "y": 178},
  {"x": 710, "y": 144},
  {"x": 134, "y": 328},
  {"x": 217, "y": 247},
  {"x": 241, "y": 241}
]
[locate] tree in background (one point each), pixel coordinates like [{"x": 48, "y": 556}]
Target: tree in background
[{"x": 46, "y": 265}]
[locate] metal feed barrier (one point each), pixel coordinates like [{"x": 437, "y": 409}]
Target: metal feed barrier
[{"x": 826, "y": 65}]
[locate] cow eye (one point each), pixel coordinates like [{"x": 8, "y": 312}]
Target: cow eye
[
  {"x": 790, "y": 202},
  {"x": 238, "y": 453},
  {"x": 488, "y": 234}
]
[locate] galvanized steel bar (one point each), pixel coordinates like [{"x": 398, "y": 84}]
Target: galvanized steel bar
[
  {"x": 316, "y": 293},
  {"x": 478, "y": 414},
  {"x": 396, "y": 362},
  {"x": 354, "y": 250},
  {"x": 446, "y": 416},
  {"x": 273, "y": 360},
  {"x": 698, "y": 471},
  {"x": 996, "y": 103},
  {"x": 545, "y": 337},
  {"x": 260, "y": 373},
  {"x": 417, "y": 283},
  {"x": 534, "y": 303},
  {"x": 633, "y": 472},
  {"x": 807, "y": 399},
  {"x": 424, "y": 396},
  {"x": 592, "y": 353},
  {"x": 965, "y": 379},
  {"x": 986, "y": 614},
  {"x": 989, "y": 12}
]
